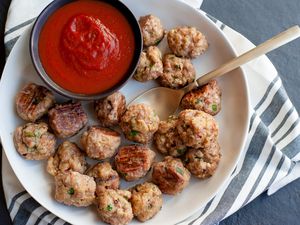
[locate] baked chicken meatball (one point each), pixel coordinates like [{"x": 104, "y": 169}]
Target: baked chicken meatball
[
  {"x": 73, "y": 188},
  {"x": 187, "y": 42},
  {"x": 139, "y": 123},
  {"x": 100, "y": 143},
  {"x": 170, "y": 175},
  {"x": 207, "y": 98},
  {"x": 134, "y": 161},
  {"x": 113, "y": 206},
  {"x": 150, "y": 65},
  {"x": 105, "y": 176},
  {"x": 67, "y": 119},
  {"x": 34, "y": 142},
  {"x": 33, "y": 101},
  {"x": 167, "y": 140},
  {"x": 203, "y": 162},
  {"x": 110, "y": 109},
  {"x": 178, "y": 72},
  {"x": 152, "y": 30},
  {"x": 197, "y": 129},
  {"x": 146, "y": 201},
  {"x": 68, "y": 157}
]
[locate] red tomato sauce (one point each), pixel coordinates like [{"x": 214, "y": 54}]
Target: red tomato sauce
[{"x": 86, "y": 46}]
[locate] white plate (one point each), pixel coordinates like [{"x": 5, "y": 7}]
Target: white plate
[{"x": 233, "y": 119}]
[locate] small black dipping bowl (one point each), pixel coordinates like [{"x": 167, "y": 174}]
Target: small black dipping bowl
[{"x": 34, "y": 52}]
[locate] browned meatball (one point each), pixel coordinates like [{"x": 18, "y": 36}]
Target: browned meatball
[
  {"x": 73, "y": 188},
  {"x": 133, "y": 162},
  {"x": 34, "y": 142},
  {"x": 33, "y": 101},
  {"x": 146, "y": 200},
  {"x": 170, "y": 175},
  {"x": 178, "y": 72},
  {"x": 67, "y": 119},
  {"x": 197, "y": 129},
  {"x": 139, "y": 123},
  {"x": 207, "y": 98},
  {"x": 167, "y": 140},
  {"x": 150, "y": 65},
  {"x": 100, "y": 143},
  {"x": 113, "y": 206},
  {"x": 110, "y": 109},
  {"x": 152, "y": 29},
  {"x": 187, "y": 42},
  {"x": 105, "y": 176},
  {"x": 68, "y": 157},
  {"x": 203, "y": 162}
]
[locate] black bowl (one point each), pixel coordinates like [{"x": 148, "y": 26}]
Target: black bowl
[{"x": 34, "y": 39}]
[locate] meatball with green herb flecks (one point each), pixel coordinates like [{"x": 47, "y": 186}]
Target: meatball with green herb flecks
[
  {"x": 73, "y": 188},
  {"x": 150, "y": 65},
  {"x": 178, "y": 72},
  {"x": 170, "y": 175},
  {"x": 152, "y": 30},
  {"x": 167, "y": 140},
  {"x": 134, "y": 161},
  {"x": 113, "y": 206},
  {"x": 68, "y": 157},
  {"x": 33, "y": 141},
  {"x": 207, "y": 98},
  {"x": 187, "y": 42},
  {"x": 146, "y": 200},
  {"x": 203, "y": 162},
  {"x": 139, "y": 123},
  {"x": 33, "y": 101},
  {"x": 196, "y": 128}
]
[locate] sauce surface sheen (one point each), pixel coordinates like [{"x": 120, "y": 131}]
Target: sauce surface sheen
[{"x": 86, "y": 46}]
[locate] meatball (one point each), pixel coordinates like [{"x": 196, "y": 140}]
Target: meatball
[
  {"x": 167, "y": 140},
  {"x": 67, "y": 119},
  {"x": 178, "y": 72},
  {"x": 152, "y": 30},
  {"x": 133, "y": 162},
  {"x": 104, "y": 175},
  {"x": 33, "y": 101},
  {"x": 197, "y": 129},
  {"x": 150, "y": 65},
  {"x": 73, "y": 188},
  {"x": 139, "y": 123},
  {"x": 170, "y": 175},
  {"x": 110, "y": 109},
  {"x": 113, "y": 206},
  {"x": 68, "y": 157},
  {"x": 203, "y": 162},
  {"x": 146, "y": 200},
  {"x": 187, "y": 42},
  {"x": 34, "y": 142},
  {"x": 207, "y": 98},
  {"x": 100, "y": 143}
]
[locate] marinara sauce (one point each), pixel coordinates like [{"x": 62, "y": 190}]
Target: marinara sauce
[{"x": 86, "y": 46}]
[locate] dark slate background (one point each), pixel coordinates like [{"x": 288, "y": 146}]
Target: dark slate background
[{"x": 258, "y": 20}]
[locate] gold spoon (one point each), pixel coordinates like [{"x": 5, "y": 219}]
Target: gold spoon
[{"x": 165, "y": 101}]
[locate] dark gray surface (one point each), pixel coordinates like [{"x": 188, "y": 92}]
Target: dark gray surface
[{"x": 258, "y": 20}]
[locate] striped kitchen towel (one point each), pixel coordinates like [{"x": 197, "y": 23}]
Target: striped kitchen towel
[{"x": 272, "y": 151}]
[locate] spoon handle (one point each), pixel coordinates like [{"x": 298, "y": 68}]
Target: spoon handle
[{"x": 271, "y": 44}]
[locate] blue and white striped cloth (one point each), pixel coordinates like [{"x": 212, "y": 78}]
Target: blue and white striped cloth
[{"x": 272, "y": 155}]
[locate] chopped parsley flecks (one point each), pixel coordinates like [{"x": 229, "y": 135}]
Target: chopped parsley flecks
[
  {"x": 133, "y": 133},
  {"x": 214, "y": 107},
  {"x": 179, "y": 170},
  {"x": 109, "y": 207},
  {"x": 71, "y": 191}
]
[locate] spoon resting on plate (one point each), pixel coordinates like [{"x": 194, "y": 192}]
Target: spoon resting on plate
[{"x": 165, "y": 101}]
